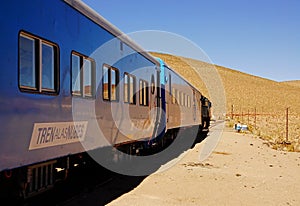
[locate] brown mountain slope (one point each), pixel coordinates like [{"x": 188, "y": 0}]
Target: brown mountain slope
[
  {"x": 262, "y": 102},
  {"x": 244, "y": 91},
  {"x": 292, "y": 83}
]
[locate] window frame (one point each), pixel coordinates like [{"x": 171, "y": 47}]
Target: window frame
[
  {"x": 38, "y": 43},
  {"x": 129, "y": 96},
  {"x": 188, "y": 101},
  {"x": 173, "y": 96},
  {"x": 178, "y": 96},
  {"x": 109, "y": 87},
  {"x": 152, "y": 84},
  {"x": 143, "y": 93},
  {"x": 181, "y": 99},
  {"x": 170, "y": 85},
  {"x": 82, "y": 93}
]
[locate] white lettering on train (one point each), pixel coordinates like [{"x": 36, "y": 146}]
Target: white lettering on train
[{"x": 58, "y": 133}]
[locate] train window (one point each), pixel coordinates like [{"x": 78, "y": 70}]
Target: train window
[
  {"x": 47, "y": 67},
  {"x": 186, "y": 100},
  {"x": 87, "y": 78},
  {"x": 152, "y": 84},
  {"x": 144, "y": 93},
  {"x": 83, "y": 75},
  {"x": 178, "y": 97},
  {"x": 76, "y": 80},
  {"x": 129, "y": 88},
  {"x": 182, "y": 98},
  {"x": 174, "y": 95},
  {"x": 38, "y": 64},
  {"x": 105, "y": 83},
  {"x": 170, "y": 84},
  {"x": 126, "y": 95},
  {"x": 141, "y": 92},
  {"x": 109, "y": 83},
  {"x": 189, "y": 101},
  {"x": 27, "y": 62},
  {"x": 113, "y": 85},
  {"x": 132, "y": 98}
]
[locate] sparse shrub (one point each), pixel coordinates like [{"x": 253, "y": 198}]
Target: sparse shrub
[
  {"x": 230, "y": 124},
  {"x": 290, "y": 148}
]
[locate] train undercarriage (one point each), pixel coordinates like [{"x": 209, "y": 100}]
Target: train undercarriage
[{"x": 19, "y": 184}]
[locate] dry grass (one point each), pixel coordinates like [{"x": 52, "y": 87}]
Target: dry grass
[
  {"x": 249, "y": 95},
  {"x": 293, "y": 83}
]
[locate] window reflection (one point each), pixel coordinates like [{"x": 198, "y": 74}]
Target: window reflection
[
  {"x": 76, "y": 80},
  {"x": 87, "y": 86},
  {"x": 82, "y": 75},
  {"x": 38, "y": 65},
  {"x": 105, "y": 84},
  {"x": 47, "y": 67},
  {"x": 27, "y": 62}
]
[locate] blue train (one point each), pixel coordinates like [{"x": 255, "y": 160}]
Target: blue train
[{"x": 71, "y": 82}]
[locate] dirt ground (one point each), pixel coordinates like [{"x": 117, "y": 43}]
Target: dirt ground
[{"x": 241, "y": 170}]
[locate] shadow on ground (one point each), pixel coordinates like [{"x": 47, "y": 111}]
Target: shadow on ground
[{"x": 95, "y": 185}]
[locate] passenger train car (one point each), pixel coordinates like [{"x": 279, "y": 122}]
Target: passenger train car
[{"x": 71, "y": 82}]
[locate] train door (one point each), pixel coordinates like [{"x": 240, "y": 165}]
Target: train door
[
  {"x": 158, "y": 103},
  {"x": 160, "y": 114},
  {"x": 168, "y": 96},
  {"x": 153, "y": 89},
  {"x": 158, "y": 91}
]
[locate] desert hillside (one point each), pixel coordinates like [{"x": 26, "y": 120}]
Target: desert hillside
[
  {"x": 258, "y": 102},
  {"x": 293, "y": 83}
]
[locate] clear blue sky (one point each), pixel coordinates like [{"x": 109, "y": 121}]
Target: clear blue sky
[{"x": 259, "y": 37}]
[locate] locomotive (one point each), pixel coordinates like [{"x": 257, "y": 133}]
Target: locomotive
[{"x": 71, "y": 82}]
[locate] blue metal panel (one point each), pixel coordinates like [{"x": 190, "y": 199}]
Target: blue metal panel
[{"x": 59, "y": 23}]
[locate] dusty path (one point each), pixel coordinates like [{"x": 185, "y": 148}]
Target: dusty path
[{"x": 241, "y": 171}]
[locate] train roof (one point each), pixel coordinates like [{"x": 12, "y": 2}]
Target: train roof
[{"x": 101, "y": 21}]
